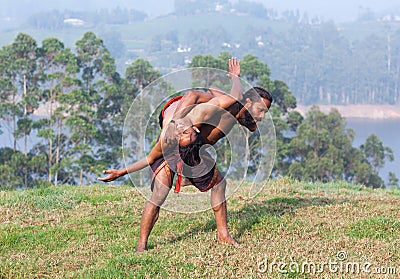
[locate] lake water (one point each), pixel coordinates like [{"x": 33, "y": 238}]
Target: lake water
[{"x": 388, "y": 131}]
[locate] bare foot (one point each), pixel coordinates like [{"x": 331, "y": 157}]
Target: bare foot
[
  {"x": 228, "y": 239},
  {"x": 140, "y": 250}
]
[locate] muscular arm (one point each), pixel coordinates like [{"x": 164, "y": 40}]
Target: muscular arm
[
  {"x": 204, "y": 112},
  {"x": 186, "y": 104},
  {"x": 191, "y": 98},
  {"x": 226, "y": 100},
  {"x": 216, "y": 91},
  {"x": 155, "y": 153},
  {"x": 194, "y": 97}
]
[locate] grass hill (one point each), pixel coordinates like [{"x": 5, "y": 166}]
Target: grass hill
[
  {"x": 138, "y": 35},
  {"x": 91, "y": 232},
  {"x": 133, "y": 35}
]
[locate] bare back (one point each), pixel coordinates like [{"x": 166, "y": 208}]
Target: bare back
[{"x": 216, "y": 127}]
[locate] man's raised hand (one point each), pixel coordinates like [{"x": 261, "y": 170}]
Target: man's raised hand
[{"x": 234, "y": 67}]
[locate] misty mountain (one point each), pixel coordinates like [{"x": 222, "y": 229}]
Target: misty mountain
[
  {"x": 20, "y": 9},
  {"x": 337, "y": 10}
]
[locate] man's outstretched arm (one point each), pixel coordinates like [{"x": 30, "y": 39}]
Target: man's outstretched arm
[{"x": 155, "y": 153}]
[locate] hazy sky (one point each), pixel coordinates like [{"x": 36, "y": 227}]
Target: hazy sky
[{"x": 338, "y": 10}]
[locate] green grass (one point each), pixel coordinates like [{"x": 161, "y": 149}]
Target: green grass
[
  {"x": 68, "y": 36},
  {"x": 375, "y": 227},
  {"x": 92, "y": 232},
  {"x": 233, "y": 24}
]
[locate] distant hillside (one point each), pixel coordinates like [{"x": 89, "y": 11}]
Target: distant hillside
[{"x": 322, "y": 62}]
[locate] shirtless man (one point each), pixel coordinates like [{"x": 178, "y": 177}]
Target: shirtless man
[{"x": 192, "y": 127}]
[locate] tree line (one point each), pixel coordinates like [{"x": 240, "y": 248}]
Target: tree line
[
  {"x": 86, "y": 102},
  {"x": 55, "y": 20},
  {"x": 319, "y": 63}
]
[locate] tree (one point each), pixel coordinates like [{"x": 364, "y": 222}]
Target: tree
[
  {"x": 253, "y": 69},
  {"x": 50, "y": 48},
  {"x": 67, "y": 81},
  {"x": 140, "y": 75},
  {"x": 320, "y": 147},
  {"x": 322, "y": 150},
  {"x": 376, "y": 153},
  {"x": 12, "y": 164},
  {"x": 95, "y": 64},
  {"x": 393, "y": 180}
]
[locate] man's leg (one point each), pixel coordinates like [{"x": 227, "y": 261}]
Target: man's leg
[
  {"x": 152, "y": 208},
  {"x": 218, "y": 203}
]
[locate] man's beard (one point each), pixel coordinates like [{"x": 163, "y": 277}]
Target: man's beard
[{"x": 248, "y": 121}]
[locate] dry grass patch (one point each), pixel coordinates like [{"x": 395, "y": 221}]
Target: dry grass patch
[{"x": 91, "y": 232}]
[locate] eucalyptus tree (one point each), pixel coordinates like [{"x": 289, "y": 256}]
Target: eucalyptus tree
[
  {"x": 58, "y": 70},
  {"x": 66, "y": 81},
  {"x": 109, "y": 110},
  {"x": 50, "y": 76},
  {"x": 82, "y": 102},
  {"x": 376, "y": 153},
  {"x": 12, "y": 161},
  {"x": 319, "y": 148},
  {"x": 11, "y": 176},
  {"x": 393, "y": 180},
  {"x": 322, "y": 150},
  {"x": 23, "y": 75},
  {"x": 139, "y": 75},
  {"x": 6, "y": 89},
  {"x": 24, "y": 51}
]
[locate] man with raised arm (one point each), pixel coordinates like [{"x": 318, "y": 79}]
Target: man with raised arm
[{"x": 204, "y": 123}]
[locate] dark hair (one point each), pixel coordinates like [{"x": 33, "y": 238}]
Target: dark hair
[
  {"x": 190, "y": 154},
  {"x": 160, "y": 119},
  {"x": 256, "y": 92}
]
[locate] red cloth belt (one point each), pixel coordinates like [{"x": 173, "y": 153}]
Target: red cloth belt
[
  {"x": 178, "y": 183},
  {"x": 170, "y": 102}
]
